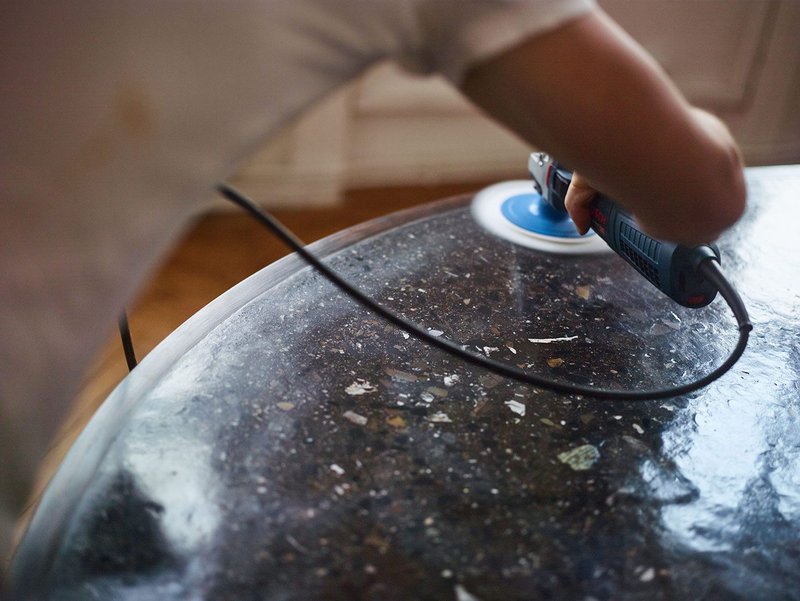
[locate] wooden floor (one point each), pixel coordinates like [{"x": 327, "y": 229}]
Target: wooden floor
[{"x": 219, "y": 250}]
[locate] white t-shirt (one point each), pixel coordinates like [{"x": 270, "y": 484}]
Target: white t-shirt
[{"x": 116, "y": 118}]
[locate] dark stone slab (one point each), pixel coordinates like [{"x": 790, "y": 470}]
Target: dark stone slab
[{"x": 286, "y": 444}]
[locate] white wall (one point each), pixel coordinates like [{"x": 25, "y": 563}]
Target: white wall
[{"x": 737, "y": 58}]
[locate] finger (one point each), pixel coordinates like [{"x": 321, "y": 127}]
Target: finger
[{"x": 578, "y": 202}]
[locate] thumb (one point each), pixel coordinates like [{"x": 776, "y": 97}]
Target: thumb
[{"x": 578, "y": 200}]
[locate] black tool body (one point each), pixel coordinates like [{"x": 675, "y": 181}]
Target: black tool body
[{"x": 672, "y": 268}]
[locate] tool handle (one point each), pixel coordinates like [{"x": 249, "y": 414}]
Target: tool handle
[{"x": 672, "y": 268}]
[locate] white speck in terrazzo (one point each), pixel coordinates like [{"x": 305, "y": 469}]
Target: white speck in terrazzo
[
  {"x": 360, "y": 387},
  {"x": 551, "y": 340},
  {"x": 337, "y": 469},
  {"x": 296, "y": 545},
  {"x": 451, "y": 380},
  {"x": 516, "y": 407},
  {"x": 638, "y": 428},
  {"x": 354, "y": 417},
  {"x": 427, "y": 397},
  {"x": 440, "y": 418},
  {"x": 463, "y": 594}
]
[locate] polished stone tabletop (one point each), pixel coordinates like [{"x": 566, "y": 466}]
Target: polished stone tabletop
[{"x": 286, "y": 444}]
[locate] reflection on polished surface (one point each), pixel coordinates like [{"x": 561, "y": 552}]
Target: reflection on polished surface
[{"x": 285, "y": 444}]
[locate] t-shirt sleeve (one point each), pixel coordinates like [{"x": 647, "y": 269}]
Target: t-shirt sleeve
[{"x": 456, "y": 34}]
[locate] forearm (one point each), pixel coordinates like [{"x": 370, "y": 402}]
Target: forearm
[{"x": 590, "y": 96}]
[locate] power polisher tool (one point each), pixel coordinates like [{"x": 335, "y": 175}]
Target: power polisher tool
[
  {"x": 672, "y": 268},
  {"x": 539, "y": 220}
]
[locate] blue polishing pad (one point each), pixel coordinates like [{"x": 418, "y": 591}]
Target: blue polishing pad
[
  {"x": 530, "y": 212},
  {"x": 514, "y": 212}
]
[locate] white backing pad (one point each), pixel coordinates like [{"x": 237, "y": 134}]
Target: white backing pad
[{"x": 486, "y": 211}]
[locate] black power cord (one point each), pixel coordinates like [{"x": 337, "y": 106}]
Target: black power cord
[
  {"x": 708, "y": 267},
  {"x": 127, "y": 341}
]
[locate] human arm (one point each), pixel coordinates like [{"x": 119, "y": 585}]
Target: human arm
[{"x": 590, "y": 96}]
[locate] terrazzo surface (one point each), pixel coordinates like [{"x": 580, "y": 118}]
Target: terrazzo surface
[{"x": 286, "y": 444}]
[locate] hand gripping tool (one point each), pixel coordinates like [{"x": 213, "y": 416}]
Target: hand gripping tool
[{"x": 672, "y": 268}]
